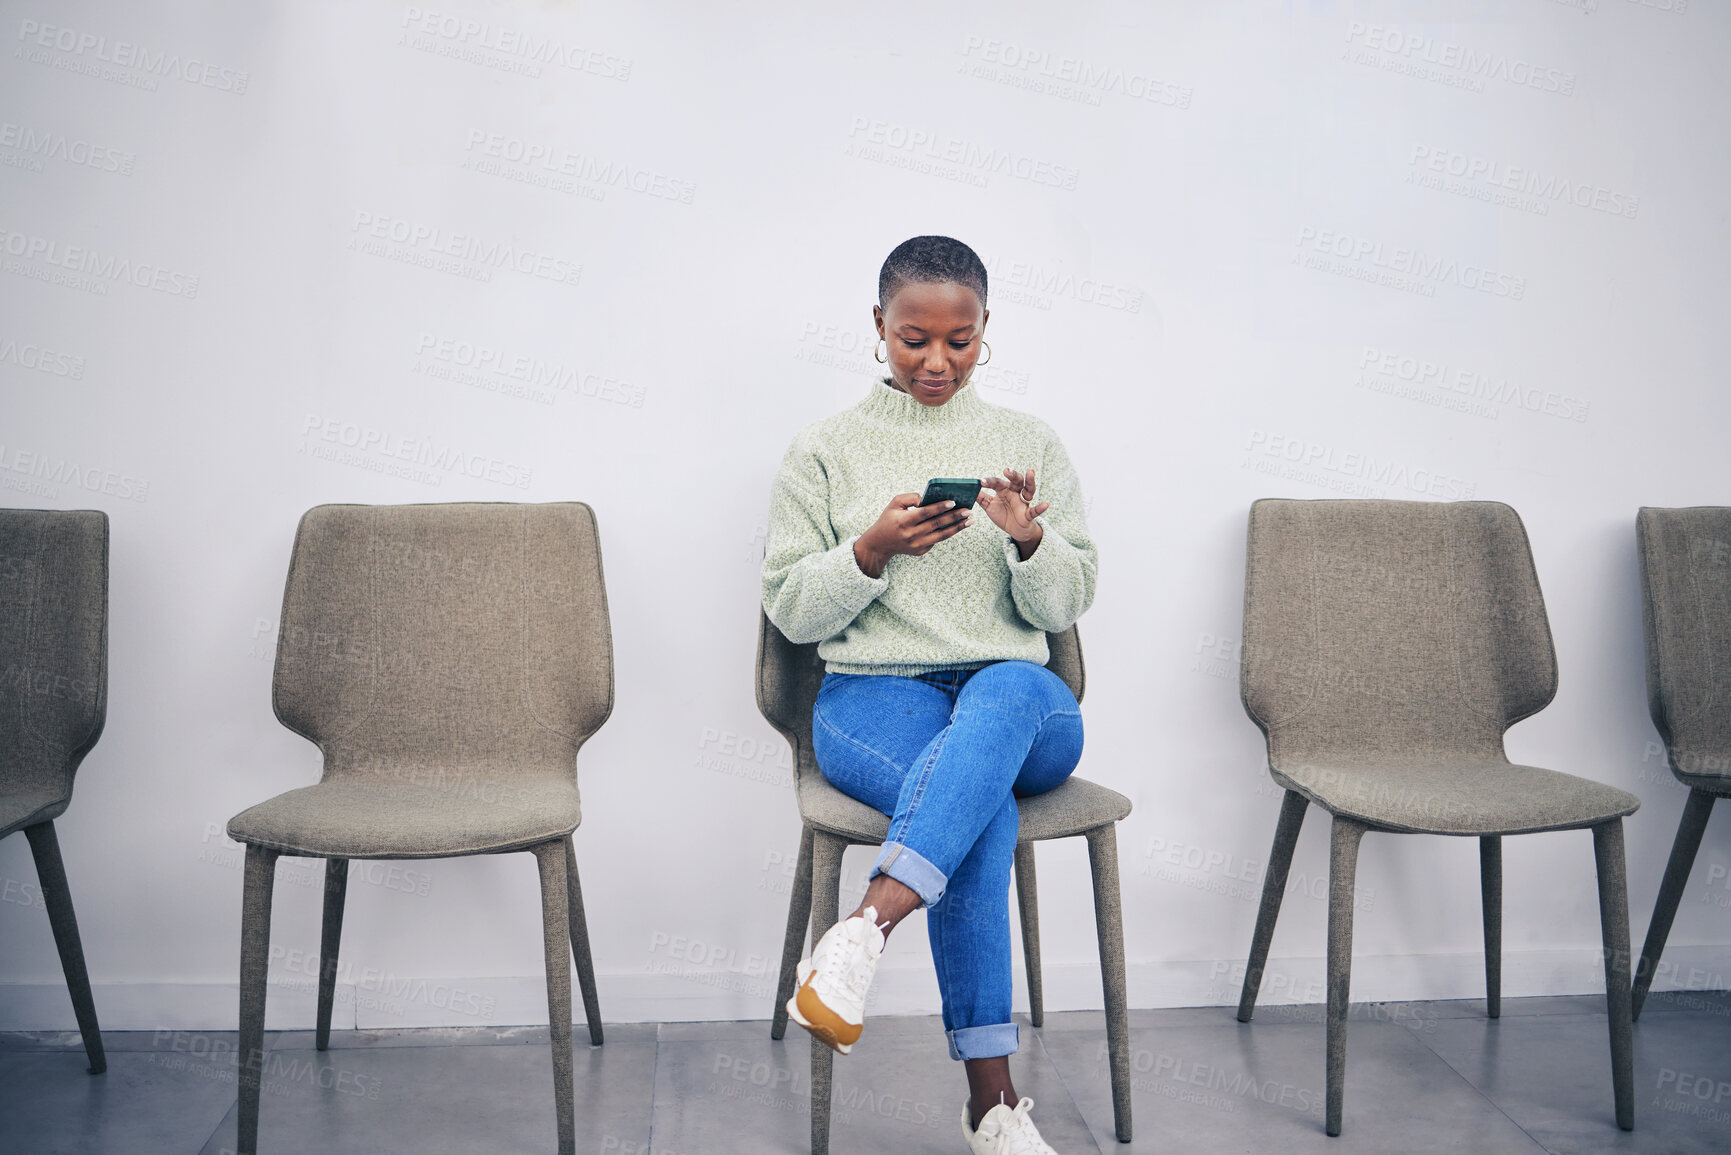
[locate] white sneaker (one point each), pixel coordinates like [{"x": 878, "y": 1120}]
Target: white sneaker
[
  {"x": 830, "y": 1001},
  {"x": 1004, "y": 1131}
]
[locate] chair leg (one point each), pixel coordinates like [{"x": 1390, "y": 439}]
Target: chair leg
[
  {"x": 1109, "y": 927},
  {"x": 336, "y": 890},
  {"x": 1614, "y": 925},
  {"x": 1273, "y": 890},
  {"x": 556, "y": 941},
  {"x": 1683, "y": 851},
  {"x": 580, "y": 945},
  {"x": 1342, "y": 871},
  {"x": 254, "y": 969},
  {"x": 51, "y": 874},
  {"x": 826, "y": 850},
  {"x": 1491, "y": 888},
  {"x": 798, "y": 917},
  {"x": 1028, "y": 899}
]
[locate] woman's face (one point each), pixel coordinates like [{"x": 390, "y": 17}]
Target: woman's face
[{"x": 933, "y": 330}]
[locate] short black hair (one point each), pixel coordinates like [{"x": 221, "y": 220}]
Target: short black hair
[{"x": 929, "y": 260}]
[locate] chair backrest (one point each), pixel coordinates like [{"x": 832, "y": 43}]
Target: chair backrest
[
  {"x": 789, "y": 674},
  {"x": 1686, "y": 603},
  {"x": 468, "y": 635},
  {"x": 53, "y": 646},
  {"x": 1391, "y": 631}
]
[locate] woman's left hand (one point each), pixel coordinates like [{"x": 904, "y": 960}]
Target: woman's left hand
[{"x": 1009, "y": 502}]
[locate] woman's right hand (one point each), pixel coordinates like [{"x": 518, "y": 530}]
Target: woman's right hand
[{"x": 906, "y": 526}]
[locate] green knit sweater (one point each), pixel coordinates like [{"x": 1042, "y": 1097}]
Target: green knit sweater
[{"x": 970, "y": 600}]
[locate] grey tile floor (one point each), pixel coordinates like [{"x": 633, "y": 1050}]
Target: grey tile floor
[{"x": 1421, "y": 1077}]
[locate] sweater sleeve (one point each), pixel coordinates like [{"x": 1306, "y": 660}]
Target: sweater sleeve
[
  {"x": 1055, "y": 586},
  {"x": 813, "y": 587}
]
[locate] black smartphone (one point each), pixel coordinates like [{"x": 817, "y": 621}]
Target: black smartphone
[{"x": 961, "y": 490}]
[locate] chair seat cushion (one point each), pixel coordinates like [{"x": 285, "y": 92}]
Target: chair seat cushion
[
  {"x": 361, "y": 818},
  {"x": 1075, "y": 807},
  {"x": 27, "y": 809},
  {"x": 1459, "y": 797}
]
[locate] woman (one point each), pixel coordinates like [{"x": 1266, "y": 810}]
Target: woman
[{"x": 937, "y": 708}]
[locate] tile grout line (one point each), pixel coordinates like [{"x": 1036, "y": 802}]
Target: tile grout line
[
  {"x": 1461, "y": 1075},
  {"x": 1063, "y": 1081},
  {"x": 654, "y": 1089},
  {"x": 210, "y": 1138}
]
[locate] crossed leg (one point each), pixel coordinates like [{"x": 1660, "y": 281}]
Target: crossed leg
[{"x": 947, "y": 766}]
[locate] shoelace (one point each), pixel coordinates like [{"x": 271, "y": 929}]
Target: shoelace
[
  {"x": 1020, "y": 1136},
  {"x": 843, "y": 967}
]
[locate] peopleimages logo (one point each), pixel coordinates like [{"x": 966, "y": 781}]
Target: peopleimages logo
[
  {"x": 1469, "y": 386},
  {"x": 1355, "y": 474},
  {"x": 555, "y": 161},
  {"x": 1040, "y": 281},
  {"x": 1397, "y": 50},
  {"x": 1488, "y": 178},
  {"x": 46, "y": 467},
  {"x": 414, "y": 458},
  {"x": 27, "y": 355},
  {"x": 464, "y": 39},
  {"x": 1403, "y": 268},
  {"x": 1067, "y": 77},
  {"x": 89, "y": 268},
  {"x": 37, "y": 144},
  {"x": 924, "y": 150},
  {"x": 87, "y": 47},
  {"x": 518, "y": 374},
  {"x": 428, "y": 244}
]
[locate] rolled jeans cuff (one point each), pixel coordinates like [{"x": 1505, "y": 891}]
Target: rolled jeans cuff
[
  {"x": 987, "y": 1042},
  {"x": 912, "y": 871}
]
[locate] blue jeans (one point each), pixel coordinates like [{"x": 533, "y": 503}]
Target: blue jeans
[{"x": 945, "y": 755}]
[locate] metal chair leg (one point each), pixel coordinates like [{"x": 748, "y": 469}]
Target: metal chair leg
[
  {"x": 1491, "y": 888},
  {"x": 254, "y": 969},
  {"x": 1028, "y": 899},
  {"x": 580, "y": 945},
  {"x": 1286, "y": 830},
  {"x": 336, "y": 890},
  {"x": 1683, "y": 850},
  {"x": 798, "y": 916},
  {"x": 1109, "y": 926},
  {"x": 556, "y": 941},
  {"x": 1614, "y": 925},
  {"x": 1342, "y": 870},
  {"x": 57, "y": 895},
  {"x": 826, "y": 851}
]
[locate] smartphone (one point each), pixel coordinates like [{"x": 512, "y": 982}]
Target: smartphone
[{"x": 961, "y": 490}]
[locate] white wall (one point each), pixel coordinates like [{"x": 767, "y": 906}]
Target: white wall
[{"x": 1156, "y": 226}]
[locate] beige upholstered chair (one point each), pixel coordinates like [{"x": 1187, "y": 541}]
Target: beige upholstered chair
[
  {"x": 53, "y": 700},
  {"x": 1686, "y": 603},
  {"x": 449, "y": 661},
  {"x": 1387, "y": 647},
  {"x": 788, "y": 677}
]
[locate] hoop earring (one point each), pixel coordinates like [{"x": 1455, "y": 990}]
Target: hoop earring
[
  {"x": 881, "y": 360},
  {"x": 988, "y": 359}
]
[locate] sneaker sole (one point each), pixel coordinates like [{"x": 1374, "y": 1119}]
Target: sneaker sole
[{"x": 827, "y": 1027}]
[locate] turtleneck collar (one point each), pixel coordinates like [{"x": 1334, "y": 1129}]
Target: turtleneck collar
[{"x": 893, "y": 407}]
